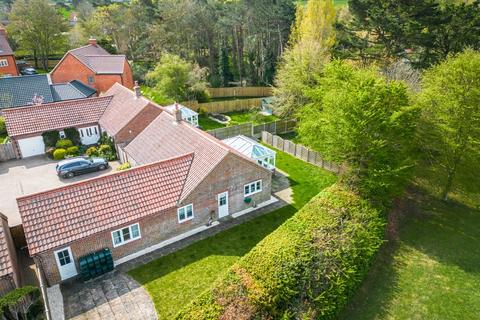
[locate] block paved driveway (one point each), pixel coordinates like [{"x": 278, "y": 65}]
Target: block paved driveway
[
  {"x": 31, "y": 175},
  {"x": 111, "y": 296}
]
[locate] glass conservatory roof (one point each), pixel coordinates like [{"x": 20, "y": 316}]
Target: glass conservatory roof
[{"x": 249, "y": 147}]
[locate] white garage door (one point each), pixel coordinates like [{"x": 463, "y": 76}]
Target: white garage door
[{"x": 31, "y": 146}]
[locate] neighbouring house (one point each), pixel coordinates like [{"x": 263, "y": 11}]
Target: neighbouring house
[
  {"x": 127, "y": 114},
  {"x": 25, "y": 125},
  {"x": 23, "y": 90},
  {"x": 9, "y": 278},
  {"x": 8, "y": 64},
  {"x": 261, "y": 154},
  {"x": 187, "y": 114},
  {"x": 183, "y": 180},
  {"x": 93, "y": 65}
]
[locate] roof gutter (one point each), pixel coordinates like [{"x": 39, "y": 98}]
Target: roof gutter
[{"x": 43, "y": 289}]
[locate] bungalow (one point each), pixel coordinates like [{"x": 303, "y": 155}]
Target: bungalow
[
  {"x": 94, "y": 66},
  {"x": 25, "y": 125},
  {"x": 8, "y": 65},
  {"x": 9, "y": 278},
  {"x": 127, "y": 114}
]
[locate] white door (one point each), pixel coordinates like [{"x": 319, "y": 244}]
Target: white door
[
  {"x": 222, "y": 204},
  {"x": 65, "y": 263},
  {"x": 89, "y": 135},
  {"x": 31, "y": 146}
]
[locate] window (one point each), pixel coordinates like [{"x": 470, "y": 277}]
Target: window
[
  {"x": 63, "y": 257},
  {"x": 3, "y": 63},
  {"x": 185, "y": 213},
  {"x": 126, "y": 235},
  {"x": 91, "y": 79},
  {"x": 252, "y": 188},
  {"x": 62, "y": 134}
]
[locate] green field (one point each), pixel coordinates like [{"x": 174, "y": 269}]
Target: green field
[{"x": 430, "y": 269}]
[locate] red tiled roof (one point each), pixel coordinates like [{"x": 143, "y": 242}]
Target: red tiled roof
[
  {"x": 60, "y": 216},
  {"x": 99, "y": 60},
  {"x": 6, "y": 266},
  {"x": 163, "y": 139},
  {"x": 54, "y": 116},
  {"x": 5, "y": 49},
  {"x": 123, "y": 108}
]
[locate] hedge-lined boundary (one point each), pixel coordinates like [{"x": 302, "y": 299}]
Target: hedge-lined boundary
[{"x": 306, "y": 269}]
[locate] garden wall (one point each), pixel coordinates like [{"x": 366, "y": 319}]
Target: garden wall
[
  {"x": 299, "y": 152},
  {"x": 240, "y": 92},
  {"x": 306, "y": 269}
]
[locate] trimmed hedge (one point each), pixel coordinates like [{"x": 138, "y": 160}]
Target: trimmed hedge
[
  {"x": 59, "y": 154},
  {"x": 3, "y": 126},
  {"x": 306, "y": 269},
  {"x": 50, "y": 138},
  {"x": 21, "y": 303},
  {"x": 73, "y": 135},
  {"x": 64, "y": 143}
]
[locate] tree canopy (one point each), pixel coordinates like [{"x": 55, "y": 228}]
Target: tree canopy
[
  {"x": 359, "y": 119},
  {"x": 450, "y": 102}
]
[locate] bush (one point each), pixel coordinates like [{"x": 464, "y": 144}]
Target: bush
[
  {"x": 20, "y": 303},
  {"x": 124, "y": 166},
  {"x": 202, "y": 111},
  {"x": 73, "y": 135},
  {"x": 73, "y": 151},
  {"x": 64, "y": 143},
  {"x": 3, "y": 126},
  {"x": 306, "y": 269},
  {"x": 50, "y": 138},
  {"x": 59, "y": 154},
  {"x": 202, "y": 96},
  {"x": 104, "y": 148},
  {"x": 91, "y": 152}
]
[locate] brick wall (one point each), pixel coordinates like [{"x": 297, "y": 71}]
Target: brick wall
[
  {"x": 127, "y": 77},
  {"x": 11, "y": 68},
  {"x": 137, "y": 124}
]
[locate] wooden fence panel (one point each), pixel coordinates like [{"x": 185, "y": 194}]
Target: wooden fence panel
[
  {"x": 228, "y": 105},
  {"x": 244, "y": 129},
  {"x": 299, "y": 151},
  {"x": 7, "y": 152},
  {"x": 240, "y": 92}
]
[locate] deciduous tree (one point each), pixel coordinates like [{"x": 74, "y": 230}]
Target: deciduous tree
[{"x": 450, "y": 101}]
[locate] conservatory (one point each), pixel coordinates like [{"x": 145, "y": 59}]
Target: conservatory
[
  {"x": 254, "y": 150},
  {"x": 187, "y": 114}
]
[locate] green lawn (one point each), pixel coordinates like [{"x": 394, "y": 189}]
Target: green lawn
[
  {"x": 176, "y": 279},
  {"x": 431, "y": 270},
  {"x": 238, "y": 117}
]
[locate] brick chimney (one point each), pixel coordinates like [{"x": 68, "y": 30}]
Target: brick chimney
[
  {"x": 92, "y": 41},
  {"x": 136, "y": 89},
  {"x": 177, "y": 113}
]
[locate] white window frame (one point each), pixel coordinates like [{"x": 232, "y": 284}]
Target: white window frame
[
  {"x": 3, "y": 63},
  {"x": 186, "y": 218},
  {"x": 121, "y": 235},
  {"x": 62, "y": 134},
  {"x": 254, "y": 184}
]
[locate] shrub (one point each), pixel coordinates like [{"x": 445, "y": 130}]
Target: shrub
[
  {"x": 73, "y": 135},
  {"x": 64, "y": 143},
  {"x": 306, "y": 269},
  {"x": 124, "y": 166},
  {"x": 202, "y": 96},
  {"x": 59, "y": 154},
  {"x": 104, "y": 148},
  {"x": 19, "y": 303},
  {"x": 202, "y": 111},
  {"x": 3, "y": 126},
  {"x": 73, "y": 151},
  {"x": 50, "y": 138},
  {"x": 92, "y": 151}
]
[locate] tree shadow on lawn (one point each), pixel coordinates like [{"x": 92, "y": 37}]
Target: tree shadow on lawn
[{"x": 446, "y": 232}]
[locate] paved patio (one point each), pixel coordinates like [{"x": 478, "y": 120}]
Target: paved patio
[
  {"x": 112, "y": 296},
  {"x": 31, "y": 175}
]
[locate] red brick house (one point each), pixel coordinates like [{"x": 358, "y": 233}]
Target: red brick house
[
  {"x": 9, "y": 278},
  {"x": 127, "y": 114},
  {"x": 25, "y": 125},
  {"x": 93, "y": 65},
  {"x": 121, "y": 112},
  {"x": 136, "y": 211},
  {"x": 8, "y": 65}
]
